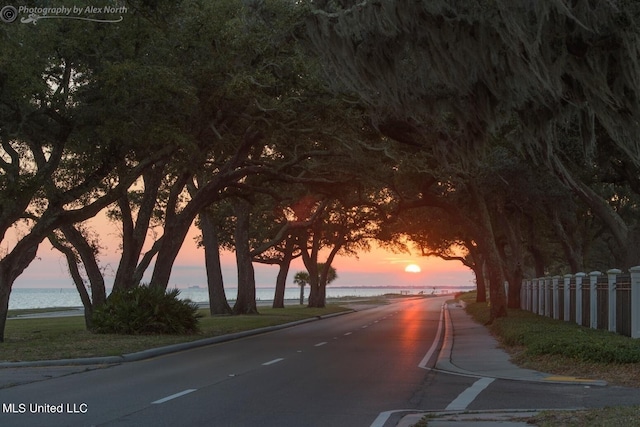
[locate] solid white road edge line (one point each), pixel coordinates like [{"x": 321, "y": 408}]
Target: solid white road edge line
[
  {"x": 173, "y": 396},
  {"x": 384, "y": 416},
  {"x": 434, "y": 346},
  {"x": 271, "y": 362},
  {"x": 465, "y": 398}
]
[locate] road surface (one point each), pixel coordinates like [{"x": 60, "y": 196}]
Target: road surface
[{"x": 368, "y": 368}]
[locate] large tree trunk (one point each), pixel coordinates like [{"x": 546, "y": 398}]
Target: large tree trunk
[
  {"x": 6, "y": 282},
  {"x": 513, "y": 263},
  {"x": 72, "y": 263},
  {"x": 497, "y": 296},
  {"x": 283, "y": 272},
  {"x": 218, "y": 303},
  {"x": 135, "y": 234},
  {"x": 172, "y": 240},
  {"x": 487, "y": 245},
  {"x": 12, "y": 266},
  {"x": 310, "y": 260},
  {"x": 321, "y": 299},
  {"x": 481, "y": 286},
  {"x": 315, "y": 295},
  {"x": 91, "y": 267},
  {"x": 246, "y": 300}
]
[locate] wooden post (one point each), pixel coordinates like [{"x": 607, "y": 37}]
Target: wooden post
[
  {"x": 612, "y": 278},
  {"x": 593, "y": 299},
  {"x": 635, "y": 301},
  {"x": 506, "y": 291},
  {"x": 556, "y": 297},
  {"x": 534, "y": 296},
  {"x": 567, "y": 297},
  {"x": 579, "y": 277},
  {"x": 547, "y": 296}
]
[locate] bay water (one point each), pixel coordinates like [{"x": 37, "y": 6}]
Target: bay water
[{"x": 26, "y": 298}]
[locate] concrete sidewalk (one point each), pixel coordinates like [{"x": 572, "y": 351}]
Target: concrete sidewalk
[{"x": 470, "y": 350}]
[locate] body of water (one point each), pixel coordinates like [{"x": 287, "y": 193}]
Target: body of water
[{"x": 69, "y": 297}]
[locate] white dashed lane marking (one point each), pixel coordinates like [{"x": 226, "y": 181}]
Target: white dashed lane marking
[
  {"x": 173, "y": 396},
  {"x": 271, "y": 362}
]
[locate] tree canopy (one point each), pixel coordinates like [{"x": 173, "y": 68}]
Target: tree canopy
[{"x": 506, "y": 128}]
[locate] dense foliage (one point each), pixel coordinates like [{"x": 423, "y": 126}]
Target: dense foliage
[
  {"x": 502, "y": 134},
  {"x": 146, "y": 310}
]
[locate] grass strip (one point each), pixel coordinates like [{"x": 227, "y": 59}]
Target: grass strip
[
  {"x": 534, "y": 336},
  {"x": 67, "y": 338},
  {"x": 563, "y": 348},
  {"x": 610, "y": 417}
]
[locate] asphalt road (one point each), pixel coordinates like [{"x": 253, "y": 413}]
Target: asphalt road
[
  {"x": 369, "y": 368},
  {"x": 342, "y": 371}
]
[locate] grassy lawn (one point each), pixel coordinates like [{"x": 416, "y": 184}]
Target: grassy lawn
[
  {"x": 66, "y": 337},
  {"x": 562, "y": 348}
]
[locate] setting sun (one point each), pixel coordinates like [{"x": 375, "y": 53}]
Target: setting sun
[{"x": 412, "y": 268}]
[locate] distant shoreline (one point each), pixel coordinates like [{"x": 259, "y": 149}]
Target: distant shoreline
[
  {"x": 465, "y": 287},
  {"x": 33, "y": 298}
]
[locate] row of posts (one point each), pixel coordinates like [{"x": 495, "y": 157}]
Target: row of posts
[{"x": 537, "y": 296}]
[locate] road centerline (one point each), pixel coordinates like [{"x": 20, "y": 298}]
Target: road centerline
[
  {"x": 173, "y": 396},
  {"x": 271, "y": 362}
]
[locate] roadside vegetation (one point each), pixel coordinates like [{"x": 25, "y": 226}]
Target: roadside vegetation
[
  {"x": 146, "y": 310},
  {"x": 562, "y": 348},
  {"x": 67, "y": 337}
]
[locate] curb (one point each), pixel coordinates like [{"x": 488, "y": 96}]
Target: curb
[
  {"x": 161, "y": 351},
  {"x": 507, "y": 417}
]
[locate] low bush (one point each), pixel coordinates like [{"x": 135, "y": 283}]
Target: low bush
[{"x": 146, "y": 310}]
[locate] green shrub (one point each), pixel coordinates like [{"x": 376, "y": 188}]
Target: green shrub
[
  {"x": 146, "y": 310},
  {"x": 540, "y": 335}
]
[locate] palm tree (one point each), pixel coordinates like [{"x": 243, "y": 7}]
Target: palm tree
[{"x": 301, "y": 279}]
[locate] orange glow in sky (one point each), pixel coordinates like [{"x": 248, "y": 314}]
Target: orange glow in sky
[{"x": 375, "y": 268}]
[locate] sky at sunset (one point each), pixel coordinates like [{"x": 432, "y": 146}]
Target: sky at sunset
[{"x": 375, "y": 268}]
